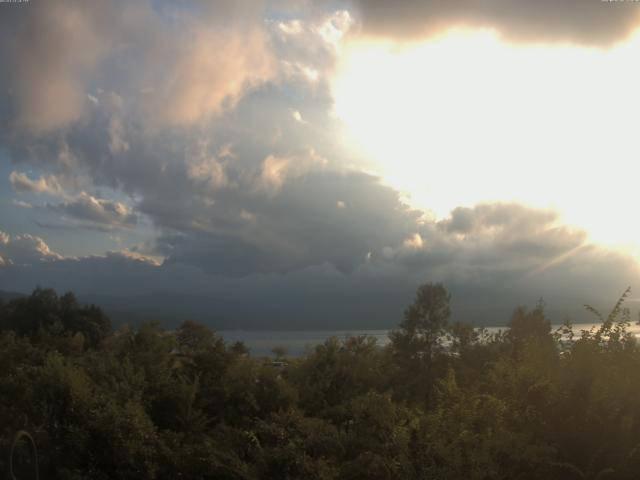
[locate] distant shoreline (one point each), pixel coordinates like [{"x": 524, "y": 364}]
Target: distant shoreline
[{"x": 297, "y": 342}]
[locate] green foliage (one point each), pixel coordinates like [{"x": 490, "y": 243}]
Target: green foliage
[
  {"x": 529, "y": 325},
  {"x": 441, "y": 401},
  {"x": 44, "y": 316},
  {"x": 425, "y": 322},
  {"x": 417, "y": 346}
]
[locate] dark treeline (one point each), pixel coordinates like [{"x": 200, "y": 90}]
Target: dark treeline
[{"x": 441, "y": 401}]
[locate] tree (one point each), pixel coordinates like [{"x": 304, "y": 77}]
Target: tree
[
  {"x": 424, "y": 324},
  {"x": 44, "y": 315},
  {"x": 195, "y": 337},
  {"x": 280, "y": 352},
  {"x": 419, "y": 338},
  {"x": 529, "y": 325},
  {"x": 239, "y": 348}
]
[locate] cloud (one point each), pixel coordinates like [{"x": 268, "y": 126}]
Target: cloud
[
  {"x": 25, "y": 250},
  {"x": 298, "y": 227},
  {"x": 297, "y": 116},
  {"x": 117, "y": 141},
  {"x": 209, "y": 72},
  {"x": 375, "y": 292},
  {"x": 596, "y": 23},
  {"x": 500, "y": 244},
  {"x": 21, "y": 204},
  {"x": 308, "y": 48},
  {"x": 275, "y": 171},
  {"x": 505, "y": 221},
  {"x": 182, "y": 64},
  {"x": 206, "y": 168},
  {"x": 49, "y": 50},
  {"x": 155, "y": 97},
  {"x": 415, "y": 242},
  {"x": 48, "y": 184},
  {"x": 84, "y": 209},
  {"x": 134, "y": 257},
  {"x": 196, "y": 124},
  {"x": 96, "y": 212}
]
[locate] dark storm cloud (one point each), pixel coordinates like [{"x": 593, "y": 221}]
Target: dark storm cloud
[
  {"x": 589, "y": 22},
  {"x": 373, "y": 294},
  {"x": 323, "y": 216},
  {"x": 511, "y": 248},
  {"x": 504, "y": 246}
]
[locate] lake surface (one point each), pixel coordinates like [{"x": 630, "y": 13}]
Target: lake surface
[{"x": 297, "y": 343}]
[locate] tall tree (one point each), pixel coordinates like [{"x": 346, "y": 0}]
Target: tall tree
[
  {"x": 416, "y": 344},
  {"x": 425, "y": 322}
]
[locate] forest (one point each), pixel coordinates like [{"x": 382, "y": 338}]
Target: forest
[{"x": 441, "y": 401}]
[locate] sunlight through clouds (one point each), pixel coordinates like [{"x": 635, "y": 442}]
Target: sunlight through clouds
[{"x": 466, "y": 118}]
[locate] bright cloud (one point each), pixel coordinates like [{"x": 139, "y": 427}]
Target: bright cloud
[
  {"x": 48, "y": 184},
  {"x": 25, "y": 250}
]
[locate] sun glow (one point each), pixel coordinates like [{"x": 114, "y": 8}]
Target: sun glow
[{"x": 466, "y": 118}]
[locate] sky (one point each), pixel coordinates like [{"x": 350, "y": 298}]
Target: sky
[{"x": 326, "y": 151}]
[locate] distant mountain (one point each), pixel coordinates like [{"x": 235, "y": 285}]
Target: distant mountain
[
  {"x": 8, "y": 296},
  {"x": 314, "y": 311},
  {"x": 171, "y": 309},
  {"x": 285, "y": 313}
]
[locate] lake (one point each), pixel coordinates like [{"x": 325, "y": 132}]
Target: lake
[{"x": 297, "y": 343}]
